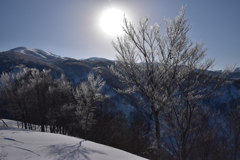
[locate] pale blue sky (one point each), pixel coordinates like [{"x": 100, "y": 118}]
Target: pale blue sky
[{"x": 70, "y": 28}]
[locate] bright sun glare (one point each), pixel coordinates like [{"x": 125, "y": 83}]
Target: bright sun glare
[{"x": 111, "y": 21}]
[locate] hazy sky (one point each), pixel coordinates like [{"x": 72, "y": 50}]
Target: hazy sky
[{"x": 70, "y": 28}]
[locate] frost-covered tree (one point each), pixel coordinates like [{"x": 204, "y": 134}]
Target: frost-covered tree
[
  {"x": 87, "y": 94},
  {"x": 35, "y": 96},
  {"x": 40, "y": 81},
  {"x": 46, "y": 97},
  {"x": 166, "y": 68},
  {"x": 15, "y": 91},
  {"x": 59, "y": 94}
]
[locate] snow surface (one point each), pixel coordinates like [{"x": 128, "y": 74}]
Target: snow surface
[{"x": 19, "y": 144}]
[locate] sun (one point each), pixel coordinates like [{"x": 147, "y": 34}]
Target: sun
[{"x": 111, "y": 21}]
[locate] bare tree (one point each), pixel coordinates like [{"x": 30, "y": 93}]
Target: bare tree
[
  {"x": 187, "y": 117},
  {"x": 167, "y": 69}
]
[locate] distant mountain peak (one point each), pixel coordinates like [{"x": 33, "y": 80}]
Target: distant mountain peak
[
  {"x": 34, "y": 52},
  {"x": 97, "y": 59},
  {"x": 19, "y": 48}
]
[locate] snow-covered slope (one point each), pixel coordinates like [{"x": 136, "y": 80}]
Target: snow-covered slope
[{"x": 19, "y": 144}]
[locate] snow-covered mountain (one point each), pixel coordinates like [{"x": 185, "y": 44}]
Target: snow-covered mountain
[
  {"x": 74, "y": 69},
  {"x": 20, "y": 144},
  {"x": 77, "y": 70},
  {"x": 37, "y": 53}
]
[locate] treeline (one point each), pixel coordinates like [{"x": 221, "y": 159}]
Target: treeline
[{"x": 36, "y": 97}]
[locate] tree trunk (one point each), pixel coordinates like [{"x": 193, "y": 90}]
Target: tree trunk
[
  {"x": 183, "y": 155},
  {"x": 235, "y": 151},
  {"x": 42, "y": 128},
  {"x": 24, "y": 120},
  {"x": 4, "y": 123},
  {"x": 183, "y": 152},
  {"x": 157, "y": 127},
  {"x": 86, "y": 127}
]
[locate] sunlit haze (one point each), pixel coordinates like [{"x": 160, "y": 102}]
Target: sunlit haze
[{"x": 111, "y": 21}]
